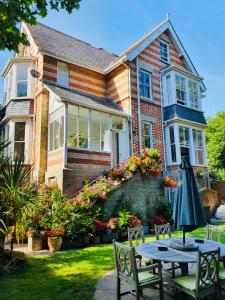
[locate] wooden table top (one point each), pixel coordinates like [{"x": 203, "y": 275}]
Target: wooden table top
[{"x": 150, "y": 250}]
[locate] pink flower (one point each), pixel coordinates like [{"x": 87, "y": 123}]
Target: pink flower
[{"x": 102, "y": 195}]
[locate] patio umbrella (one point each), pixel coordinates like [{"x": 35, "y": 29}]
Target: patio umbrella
[{"x": 188, "y": 213}]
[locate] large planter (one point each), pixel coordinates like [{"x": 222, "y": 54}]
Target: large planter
[
  {"x": 34, "y": 243},
  {"x": 123, "y": 235},
  {"x": 87, "y": 239},
  {"x": 54, "y": 243},
  {"x": 109, "y": 237}
]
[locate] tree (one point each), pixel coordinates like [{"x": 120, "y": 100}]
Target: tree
[
  {"x": 13, "y": 12},
  {"x": 215, "y": 141}
]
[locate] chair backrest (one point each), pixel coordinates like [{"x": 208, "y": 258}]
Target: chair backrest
[
  {"x": 215, "y": 232},
  {"x": 125, "y": 261},
  {"x": 135, "y": 236},
  {"x": 162, "y": 230},
  {"x": 207, "y": 269}
]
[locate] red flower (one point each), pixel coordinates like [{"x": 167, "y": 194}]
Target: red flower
[
  {"x": 159, "y": 220},
  {"x": 100, "y": 225}
]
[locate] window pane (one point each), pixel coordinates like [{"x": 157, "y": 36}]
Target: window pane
[
  {"x": 117, "y": 122},
  {"x": 51, "y": 135},
  {"x": 173, "y": 153},
  {"x": 104, "y": 132},
  {"x": 164, "y": 51},
  {"x": 21, "y": 88},
  {"x": 19, "y": 148},
  {"x": 19, "y": 131},
  {"x": 147, "y": 138},
  {"x": 63, "y": 74},
  {"x": 180, "y": 90},
  {"x": 22, "y": 71},
  {"x": 95, "y": 130},
  {"x": 172, "y": 140},
  {"x": 56, "y": 134},
  {"x": 72, "y": 135},
  {"x": 83, "y": 127},
  {"x": 61, "y": 137}
]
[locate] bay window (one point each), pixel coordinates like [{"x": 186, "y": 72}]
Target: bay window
[
  {"x": 147, "y": 135},
  {"x": 145, "y": 84},
  {"x": 185, "y": 142},
  {"x": 56, "y": 129},
  {"x": 19, "y": 138},
  {"x": 180, "y": 90}
]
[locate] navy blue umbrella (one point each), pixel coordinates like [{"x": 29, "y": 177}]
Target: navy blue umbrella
[{"x": 188, "y": 213}]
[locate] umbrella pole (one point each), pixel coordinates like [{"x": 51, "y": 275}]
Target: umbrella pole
[{"x": 183, "y": 237}]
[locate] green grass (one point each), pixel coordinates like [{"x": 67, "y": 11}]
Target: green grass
[{"x": 69, "y": 275}]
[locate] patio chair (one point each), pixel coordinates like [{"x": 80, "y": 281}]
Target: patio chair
[
  {"x": 137, "y": 278},
  {"x": 206, "y": 280},
  {"x": 135, "y": 237},
  {"x": 164, "y": 231},
  {"x": 216, "y": 233}
]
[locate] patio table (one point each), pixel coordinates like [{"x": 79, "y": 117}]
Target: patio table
[{"x": 150, "y": 250}]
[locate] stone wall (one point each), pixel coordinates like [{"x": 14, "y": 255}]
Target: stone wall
[{"x": 138, "y": 194}]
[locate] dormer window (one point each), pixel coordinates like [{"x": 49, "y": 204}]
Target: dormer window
[
  {"x": 62, "y": 74},
  {"x": 164, "y": 52}
]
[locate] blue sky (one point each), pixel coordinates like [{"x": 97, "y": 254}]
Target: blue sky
[{"x": 116, "y": 24}]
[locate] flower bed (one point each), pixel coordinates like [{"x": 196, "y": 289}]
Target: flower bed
[{"x": 81, "y": 218}]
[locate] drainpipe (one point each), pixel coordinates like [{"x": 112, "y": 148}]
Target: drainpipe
[
  {"x": 162, "y": 126},
  {"x": 162, "y": 121},
  {"x": 139, "y": 105},
  {"x": 130, "y": 103}
]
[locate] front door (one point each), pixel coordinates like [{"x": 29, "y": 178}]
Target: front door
[{"x": 120, "y": 147}]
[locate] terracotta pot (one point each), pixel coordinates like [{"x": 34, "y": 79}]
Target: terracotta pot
[{"x": 54, "y": 243}]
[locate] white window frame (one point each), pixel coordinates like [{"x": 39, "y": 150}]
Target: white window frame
[
  {"x": 150, "y": 134},
  {"x": 180, "y": 77},
  {"x": 24, "y": 140},
  {"x": 163, "y": 58},
  {"x": 65, "y": 73},
  {"x": 148, "y": 86}
]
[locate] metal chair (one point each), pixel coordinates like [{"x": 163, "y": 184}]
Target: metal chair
[
  {"x": 138, "y": 278},
  {"x": 216, "y": 233},
  {"x": 164, "y": 231},
  {"x": 135, "y": 237},
  {"x": 206, "y": 280}
]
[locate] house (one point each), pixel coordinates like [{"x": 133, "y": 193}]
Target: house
[{"x": 74, "y": 110}]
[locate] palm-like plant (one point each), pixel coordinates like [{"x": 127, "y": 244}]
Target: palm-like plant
[{"x": 14, "y": 175}]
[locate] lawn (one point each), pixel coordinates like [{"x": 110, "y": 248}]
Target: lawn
[{"x": 69, "y": 275}]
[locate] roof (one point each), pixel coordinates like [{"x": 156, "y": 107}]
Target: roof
[
  {"x": 86, "y": 100},
  {"x": 176, "y": 111},
  {"x": 66, "y": 47}
]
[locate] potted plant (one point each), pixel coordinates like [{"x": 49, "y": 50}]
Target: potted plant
[
  {"x": 55, "y": 239},
  {"x": 100, "y": 226},
  {"x": 124, "y": 218},
  {"x": 34, "y": 239},
  {"x": 111, "y": 231}
]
